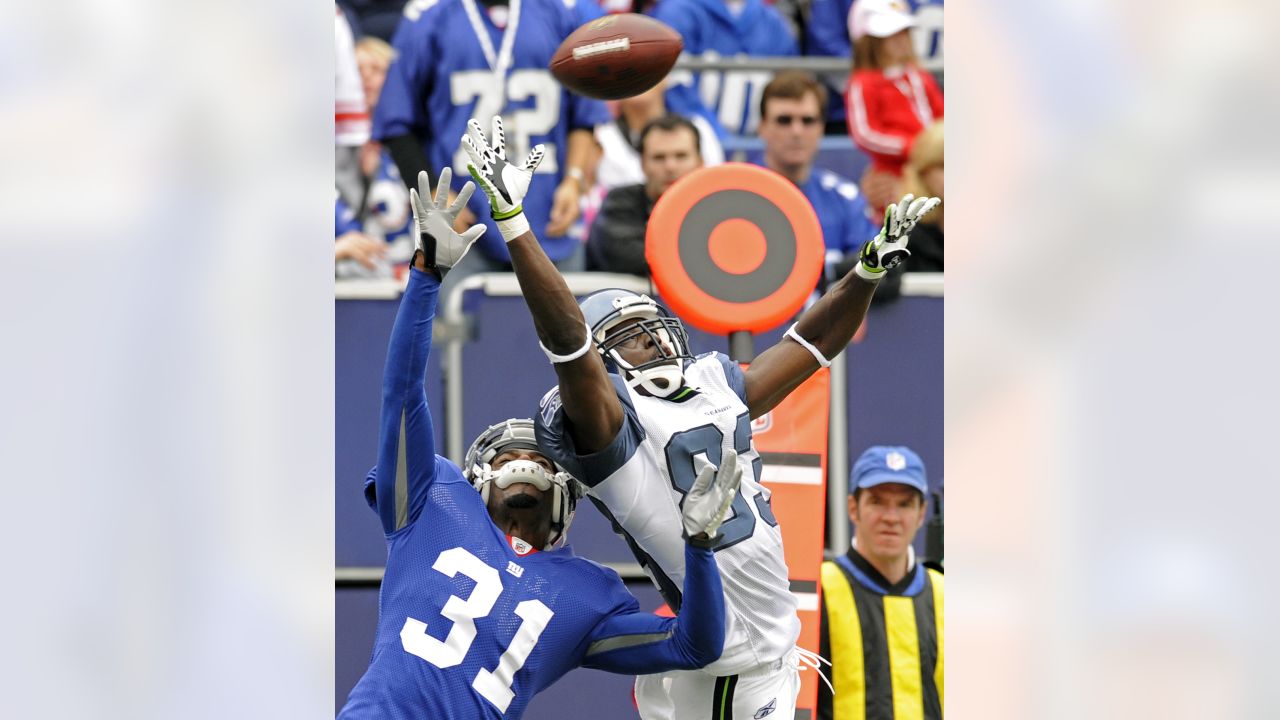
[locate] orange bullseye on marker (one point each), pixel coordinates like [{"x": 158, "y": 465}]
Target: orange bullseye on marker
[
  {"x": 737, "y": 246},
  {"x": 734, "y": 247}
]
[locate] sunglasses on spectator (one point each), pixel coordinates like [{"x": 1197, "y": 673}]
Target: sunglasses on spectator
[{"x": 805, "y": 120}]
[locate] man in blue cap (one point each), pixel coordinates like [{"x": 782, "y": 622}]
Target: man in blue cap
[{"x": 881, "y": 610}]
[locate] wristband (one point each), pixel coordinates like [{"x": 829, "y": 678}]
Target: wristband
[
  {"x": 871, "y": 276},
  {"x": 557, "y": 359},
  {"x": 513, "y": 227},
  {"x": 817, "y": 354}
]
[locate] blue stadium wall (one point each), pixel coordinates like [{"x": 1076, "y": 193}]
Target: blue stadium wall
[{"x": 894, "y": 397}]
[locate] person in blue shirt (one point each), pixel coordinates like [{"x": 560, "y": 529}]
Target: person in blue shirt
[
  {"x": 460, "y": 58},
  {"x": 482, "y": 604},
  {"x": 722, "y": 29},
  {"x": 791, "y": 121}
]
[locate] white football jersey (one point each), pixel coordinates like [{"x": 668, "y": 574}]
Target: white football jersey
[{"x": 643, "y": 476}]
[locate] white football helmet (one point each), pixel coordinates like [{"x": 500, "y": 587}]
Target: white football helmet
[
  {"x": 609, "y": 309},
  {"x": 518, "y": 434}
]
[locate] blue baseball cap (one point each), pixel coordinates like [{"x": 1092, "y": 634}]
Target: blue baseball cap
[{"x": 882, "y": 464}]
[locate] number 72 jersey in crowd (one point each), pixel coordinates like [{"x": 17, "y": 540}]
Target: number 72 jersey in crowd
[
  {"x": 643, "y": 476},
  {"x": 455, "y": 63}
]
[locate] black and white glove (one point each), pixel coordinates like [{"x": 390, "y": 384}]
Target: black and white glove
[
  {"x": 441, "y": 246},
  {"x": 886, "y": 250},
  {"x": 506, "y": 184},
  {"x": 708, "y": 501}
]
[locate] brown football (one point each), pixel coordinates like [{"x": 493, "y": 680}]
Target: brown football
[{"x": 616, "y": 56}]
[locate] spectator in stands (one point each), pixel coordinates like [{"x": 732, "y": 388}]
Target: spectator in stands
[
  {"x": 922, "y": 177},
  {"x": 373, "y": 58},
  {"x": 620, "y": 140},
  {"x": 669, "y": 150},
  {"x": 382, "y": 206},
  {"x": 354, "y": 253},
  {"x": 826, "y": 33},
  {"x": 618, "y": 153},
  {"x": 350, "y": 113},
  {"x": 889, "y": 98},
  {"x": 715, "y": 29},
  {"x": 447, "y": 55},
  {"x": 881, "y": 611},
  {"x": 791, "y": 122}
]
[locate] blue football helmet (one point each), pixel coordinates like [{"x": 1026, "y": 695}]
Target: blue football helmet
[
  {"x": 517, "y": 434},
  {"x": 622, "y": 319}
]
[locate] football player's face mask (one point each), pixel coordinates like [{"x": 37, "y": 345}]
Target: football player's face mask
[
  {"x": 518, "y": 436},
  {"x": 647, "y": 346}
]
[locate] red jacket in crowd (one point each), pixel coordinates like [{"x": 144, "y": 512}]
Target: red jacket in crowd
[{"x": 887, "y": 109}]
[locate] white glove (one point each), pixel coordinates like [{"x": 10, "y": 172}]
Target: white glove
[
  {"x": 713, "y": 492},
  {"x": 504, "y": 183},
  {"x": 889, "y": 248},
  {"x": 440, "y": 245}
]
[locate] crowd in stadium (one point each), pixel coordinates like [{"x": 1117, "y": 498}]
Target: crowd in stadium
[
  {"x": 852, "y": 140},
  {"x": 438, "y": 98}
]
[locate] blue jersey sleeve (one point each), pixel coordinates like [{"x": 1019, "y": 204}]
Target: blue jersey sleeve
[
  {"x": 642, "y": 643},
  {"x": 552, "y": 429},
  {"x": 400, "y": 104},
  {"x": 406, "y": 444}
]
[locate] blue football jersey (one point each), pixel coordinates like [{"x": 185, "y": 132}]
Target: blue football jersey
[
  {"x": 710, "y": 30},
  {"x": 841, "y": 210},
  {"x": 442, "y": 77},
  {"x": 467, "y": 626}
]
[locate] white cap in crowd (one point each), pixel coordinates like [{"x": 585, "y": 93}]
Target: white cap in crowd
[{"x": 879, "y": 18}]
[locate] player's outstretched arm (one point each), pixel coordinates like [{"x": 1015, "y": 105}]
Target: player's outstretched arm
[
  {"x": 586, "y": 392},
  {"x": 640, "y": 643},
  {"x": 826, "y": 328},
  {"x": 406, "y": 444}
]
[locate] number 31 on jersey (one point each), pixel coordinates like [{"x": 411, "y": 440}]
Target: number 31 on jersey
[{"x": 493, "y": 685}]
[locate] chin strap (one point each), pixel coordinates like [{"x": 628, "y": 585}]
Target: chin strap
[{"x": 673, "y": 374}]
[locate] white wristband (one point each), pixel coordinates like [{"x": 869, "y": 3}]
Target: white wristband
[
  {"x": 817, "y": 354},
  {"x": 513, "y": 227},
  {"x": 557, "y": 359},
  {"x": 866, "y": 274}
]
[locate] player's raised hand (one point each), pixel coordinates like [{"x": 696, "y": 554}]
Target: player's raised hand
[
  {"x": 505, "y": 183},
  {"x": 440, "y": 244},
  {"x": 889, "y": 248},
  {"x": 713, "y": 492}
]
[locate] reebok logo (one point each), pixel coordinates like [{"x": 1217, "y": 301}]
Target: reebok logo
[{"x": 767, "y": 709}]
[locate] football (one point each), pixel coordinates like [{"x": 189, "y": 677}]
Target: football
[{"x": 616, "y": 56}]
